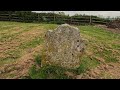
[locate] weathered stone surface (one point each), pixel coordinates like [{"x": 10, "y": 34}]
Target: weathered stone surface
[{"x": 64, "y": 46}]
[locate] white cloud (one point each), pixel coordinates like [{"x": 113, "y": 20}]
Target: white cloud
[{"x": 98, "y": 13}]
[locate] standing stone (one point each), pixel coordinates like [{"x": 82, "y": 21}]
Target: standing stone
[{"x": 64, "y": 46}]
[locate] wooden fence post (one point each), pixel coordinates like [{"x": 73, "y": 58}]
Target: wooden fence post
[
  {"x": 9, "y": 16},
  {"x": 54, "y": 16},
  {"x": 71, "y": 20},
  {"x": 38, "y": 17},
  {"x": 90, "y": 19}
]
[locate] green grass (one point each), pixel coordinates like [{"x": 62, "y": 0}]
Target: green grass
[
  {"x": 38, "y": 60},
  {"x": 116, "y": 46},
  {"x": 32, "y": 43},
  {"x": 99, "y": 33},
  {"x": 48, "y": 72},
  {"x": 57, "y": 72},
  {"x": 6, "y": 60},
  {"x": 49, "y": 26},
  {"x": 12, "y": 56},
  {"x": 100, "y": 43},
  {"x": 10, "y": 31},
  {"x": 37, "y": 71},
  {"x": 87, "y": 63},
  {"x": 99, "y": 38},
  {"x": 15, "y": 54}
]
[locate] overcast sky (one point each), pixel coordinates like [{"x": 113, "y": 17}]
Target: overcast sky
[{"x": 98, "y": 13}]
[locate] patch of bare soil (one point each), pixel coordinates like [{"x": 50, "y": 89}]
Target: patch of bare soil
[
  {"x": 20, "y": 67},
  {"x": 108, "y": 29},
  {"x": 16, "y": 70},
  {"x": 17, "y": 41},
  {"x": 103, "y": 71}
]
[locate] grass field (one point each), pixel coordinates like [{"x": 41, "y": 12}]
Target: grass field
[{"x": 21, "y": 42}]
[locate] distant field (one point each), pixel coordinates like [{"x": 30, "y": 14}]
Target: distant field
[{"x": 20, "y": 42}]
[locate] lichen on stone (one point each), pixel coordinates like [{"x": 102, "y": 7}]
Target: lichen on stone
[{"x": 64, "y": 46}]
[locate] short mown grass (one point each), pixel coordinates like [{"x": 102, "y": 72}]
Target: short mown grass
[
  {"x": 87, "y": 63},
  {"x": 32, "y": 43},
  {"x": 38, "y": 60},
  {"x": 10, "y": 32},
  {"x": 100, "y": 43},
  {"x": 48, "y": 71},
  {"x": 100, "y": 39},
  {"x": 57, "y": 72}
]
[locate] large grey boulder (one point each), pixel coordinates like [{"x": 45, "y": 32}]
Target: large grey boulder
[{"x": 64, "y": 46}]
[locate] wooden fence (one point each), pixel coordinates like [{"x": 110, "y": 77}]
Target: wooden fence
[{"x": 53, "y": 19}]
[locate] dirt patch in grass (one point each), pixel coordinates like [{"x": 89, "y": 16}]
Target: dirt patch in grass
[
  {"x": 17, "y": 51},
  {"x": 103, "y": 71},
  {"x": 8, "y": 46},
  {"x": 108, "y": 29},
  {"x": 20, "y": 68},
  {"x": 14, "y": 60}
]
